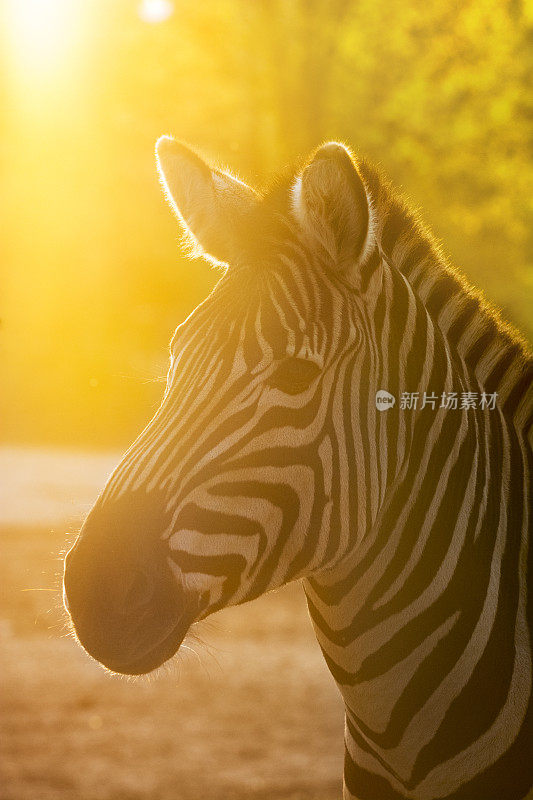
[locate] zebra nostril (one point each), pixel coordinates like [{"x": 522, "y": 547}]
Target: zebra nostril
[{"x": 138, "y": 593}]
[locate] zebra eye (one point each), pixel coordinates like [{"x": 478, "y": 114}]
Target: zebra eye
[{"x": 294, "y": 375}]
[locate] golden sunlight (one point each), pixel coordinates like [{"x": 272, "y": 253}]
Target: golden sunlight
[
  {"x": 41, "y": 33},
  {"x": 155, "y": 10}
]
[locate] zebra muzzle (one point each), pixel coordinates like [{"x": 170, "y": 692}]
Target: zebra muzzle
[{"x": 130, "y": 615}]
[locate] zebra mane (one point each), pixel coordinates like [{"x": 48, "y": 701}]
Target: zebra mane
[
  {"x": 491, "y": 348},
  {"x": 275, "y": 195},
  {"x": 266, "y": 226}
]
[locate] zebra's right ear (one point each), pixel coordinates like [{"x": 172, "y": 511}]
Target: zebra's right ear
[
  {"x": 209, "y": 203},
  {"x": 331, "y": 203}
]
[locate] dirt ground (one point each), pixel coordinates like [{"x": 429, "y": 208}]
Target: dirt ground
[{"x": 250, "y": 711}]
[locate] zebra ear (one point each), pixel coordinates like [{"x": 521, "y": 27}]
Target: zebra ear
[
  {"x": 331, "y": 203},
  {"x": 209, "y": 203}
]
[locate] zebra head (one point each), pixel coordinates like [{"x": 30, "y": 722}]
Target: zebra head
[{"x": 246, "y": 476}]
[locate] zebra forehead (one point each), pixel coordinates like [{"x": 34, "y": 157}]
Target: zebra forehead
[
  {"x": 267, "y": 302},
  {"x": 232, "y": 317}
]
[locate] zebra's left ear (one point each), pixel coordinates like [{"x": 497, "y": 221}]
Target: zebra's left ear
[
  {"x": 332, "y": 205},
  {"x": 209, "y": 203}
]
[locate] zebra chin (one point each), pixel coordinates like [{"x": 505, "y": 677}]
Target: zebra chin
[
  {"x": 140, "y": 657},
  {"x": 135, "y": 642}
]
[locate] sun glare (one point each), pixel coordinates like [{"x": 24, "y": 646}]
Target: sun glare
[
  {"x": 40, "y": 31},
  {"x": 155, "y": 10}
]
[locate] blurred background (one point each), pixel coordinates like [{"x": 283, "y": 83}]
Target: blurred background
[
  {"x": 440, "y": 94},
  {"x": 93, "y": 284}
]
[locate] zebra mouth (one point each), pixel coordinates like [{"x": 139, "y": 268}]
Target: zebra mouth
[
  {"x": 145, "y": 660},
  {"x": 135, "y": 647}
]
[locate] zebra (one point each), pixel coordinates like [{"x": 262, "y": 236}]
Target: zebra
[{"x": 274, "y": 458}]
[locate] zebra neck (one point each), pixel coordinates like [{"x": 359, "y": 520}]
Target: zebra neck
[{"x": 492, "y": 351}]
